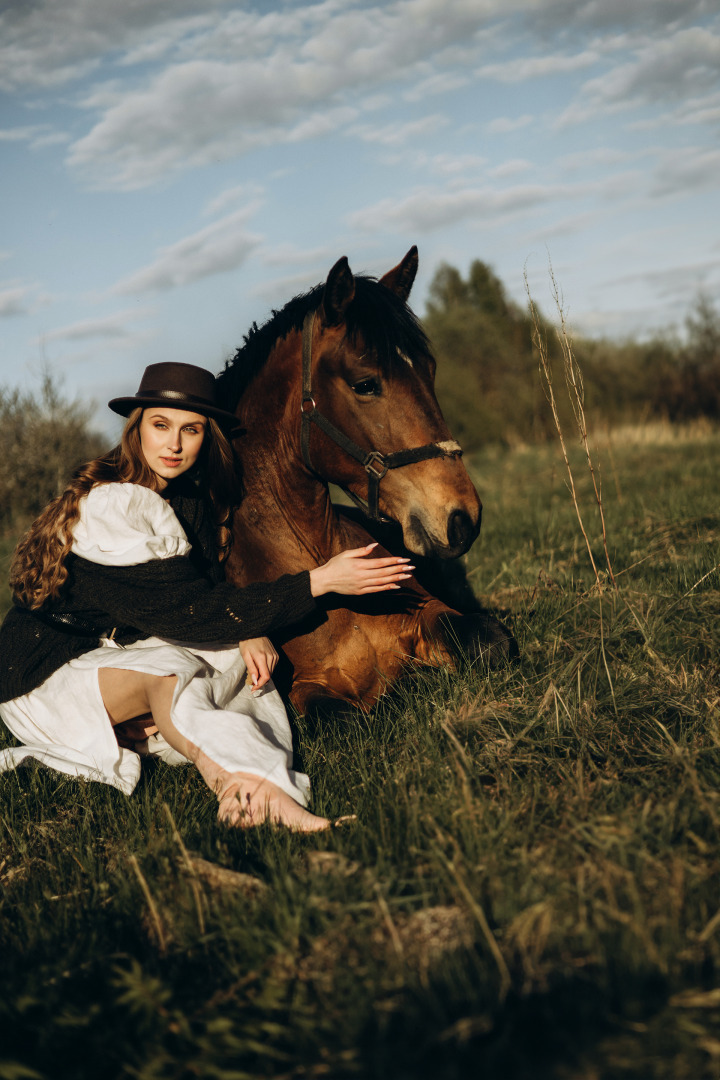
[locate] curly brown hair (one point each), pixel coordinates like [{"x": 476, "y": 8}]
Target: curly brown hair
[{"x": 38, "y": 570}]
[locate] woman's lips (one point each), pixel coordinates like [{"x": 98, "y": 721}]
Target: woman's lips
[{"x": 170, "y": 462}]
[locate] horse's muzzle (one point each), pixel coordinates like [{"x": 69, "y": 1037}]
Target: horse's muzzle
[{"x": 461, "y": 532}]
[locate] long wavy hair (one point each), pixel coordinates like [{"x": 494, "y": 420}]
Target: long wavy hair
[{"x": 38, "y": 571}]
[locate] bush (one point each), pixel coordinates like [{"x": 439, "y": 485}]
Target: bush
[{"x": 45, "y": 439}]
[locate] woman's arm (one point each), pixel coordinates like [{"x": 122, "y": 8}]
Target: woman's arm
[
  {"x": 352, "y": 573},
  {"x": 169, "y": 598}
]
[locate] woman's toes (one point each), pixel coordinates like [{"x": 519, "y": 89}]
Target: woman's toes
[{"x": 250, "y": 801}]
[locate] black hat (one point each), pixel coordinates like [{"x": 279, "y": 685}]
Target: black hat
[{"x": 178, "y": 386}]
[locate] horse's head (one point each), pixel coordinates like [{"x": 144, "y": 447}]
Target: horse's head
[{"x": 369, "y": 376}]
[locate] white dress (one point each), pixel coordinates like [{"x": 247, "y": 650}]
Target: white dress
[{"x": 64, "y": 724}]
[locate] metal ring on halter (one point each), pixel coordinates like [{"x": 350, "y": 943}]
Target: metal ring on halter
[
  {"x": 372, "y": 459},
  {"x": 303, "y": 410}
]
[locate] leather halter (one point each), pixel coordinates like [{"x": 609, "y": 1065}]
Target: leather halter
[{"x": 376, "y": 465}]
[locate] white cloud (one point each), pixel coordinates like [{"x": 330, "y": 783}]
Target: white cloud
[
  {"x": 502, "y": 125},
  {"x": 54, "y": 138},
  {"x": 534, "y": 67},
  {"x": 441, "y": 83},
  {"x": 599, "y": 156},
  {"x": 572, "y": 225},
  {"x": 37, "y": 135},
  {"x": 690, "y": 169},
  {"x": 240, "y": 193},
  {"x": 686, "y": 61},
  {"x": 396, "y": 134},
  {"x": 14, "y": 301},
  {"x": 106, "y": 327},
  {"x": 451, "y": 165},
  {"x": 675, "y": 282},
  {"x": 428, "y": 209},
  {"x": 20, "y": 134},
  {"x": 222, "y": 246},
  {"x": 255, "y": 80},
  {"x": 674, "y": 66},
  {"x": 510, "y": 168},
  {"x": 571, "y": 18},
  {"x": 47, "y": 44},
  {"x": 221, "y": 83},
  {"x": 697, "y": 110},
  {"x": 288, "y": 255}
]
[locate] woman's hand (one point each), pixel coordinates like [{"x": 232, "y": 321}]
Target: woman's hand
[
  {"x": 260, "y": 659},
  {"x": 352, "y": 573}
]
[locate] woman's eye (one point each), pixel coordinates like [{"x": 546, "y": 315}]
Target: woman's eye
[{"x": 366, "y": 388}]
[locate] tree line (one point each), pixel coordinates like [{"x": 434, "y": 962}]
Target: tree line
[{"x": 487, "y": 383}]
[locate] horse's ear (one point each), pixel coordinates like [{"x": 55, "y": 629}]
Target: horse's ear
[
  {"x": 339, "y": 291},
  {"x": 400, "y": 279}
]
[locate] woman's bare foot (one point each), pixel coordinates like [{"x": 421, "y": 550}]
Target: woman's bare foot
[{"x": 247, "y": 800}]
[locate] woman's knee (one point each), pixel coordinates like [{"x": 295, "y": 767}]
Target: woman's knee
[{"x": 128, "y": 694}]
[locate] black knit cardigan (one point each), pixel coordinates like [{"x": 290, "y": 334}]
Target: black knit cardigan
[{"x": 179, "y": 597}]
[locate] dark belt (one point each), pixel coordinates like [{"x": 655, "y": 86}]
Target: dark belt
[{"x": 75, "y": 624}]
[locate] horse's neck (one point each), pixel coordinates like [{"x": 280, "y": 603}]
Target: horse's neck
[
  {"x": 285, "y": 508},
  {"x": 285, "y": 522}
]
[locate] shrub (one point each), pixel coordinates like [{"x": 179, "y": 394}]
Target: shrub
[{"x": 45, "y": 439}]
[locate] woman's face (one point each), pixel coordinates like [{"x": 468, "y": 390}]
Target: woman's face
[{"x": 171, "y": 440}]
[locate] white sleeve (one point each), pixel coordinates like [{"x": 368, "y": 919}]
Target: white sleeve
[{"x": 126, "y": 524}]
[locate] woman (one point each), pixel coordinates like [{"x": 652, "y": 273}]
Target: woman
[{"x": 115, "y": 585}]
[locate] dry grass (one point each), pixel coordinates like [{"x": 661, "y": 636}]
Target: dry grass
[{"x": 532, "y": 887}]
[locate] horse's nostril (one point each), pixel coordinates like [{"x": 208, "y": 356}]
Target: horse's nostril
[{"x": 461, "y": 530}]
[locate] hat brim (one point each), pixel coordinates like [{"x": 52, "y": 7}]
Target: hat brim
[{"x": 125, "y": 405}]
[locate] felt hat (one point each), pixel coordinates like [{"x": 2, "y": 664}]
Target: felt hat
[{"x": 177, "y": 386}]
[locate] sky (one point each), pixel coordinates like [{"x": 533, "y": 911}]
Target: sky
[{"x": 171, "y": 170}]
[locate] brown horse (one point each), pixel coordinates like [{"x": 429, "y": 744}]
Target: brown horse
[{"x": 338, "y": 388}]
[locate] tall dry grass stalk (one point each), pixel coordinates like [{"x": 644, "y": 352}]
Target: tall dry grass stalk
[{"x": 576, "y": 394}]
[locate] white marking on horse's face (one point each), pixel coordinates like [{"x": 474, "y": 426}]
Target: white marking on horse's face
[
  {"x": 405, "y": 358},
  {"x": 450, "y": 446}
]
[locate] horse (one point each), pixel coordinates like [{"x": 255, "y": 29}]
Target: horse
[{"x": 337, "y": 388}]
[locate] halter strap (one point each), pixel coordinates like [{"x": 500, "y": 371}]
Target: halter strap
[{"x": 376, "y": 464}]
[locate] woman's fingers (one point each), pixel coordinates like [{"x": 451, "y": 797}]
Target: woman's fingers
[
  {"x": 352, "y": 572},
  {"x": 379, "y": 575},
  {"x": 391, "y": 561},
  {"x": 260, "y": 658},
  {"x": 252, "y": 668},
  {"x": 263, "y": 672}
]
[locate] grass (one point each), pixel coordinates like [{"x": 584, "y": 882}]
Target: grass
[{"x": 533, "y": 888}]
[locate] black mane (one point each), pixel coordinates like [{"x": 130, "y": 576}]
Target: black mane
[{"x": 386, "y": 324}]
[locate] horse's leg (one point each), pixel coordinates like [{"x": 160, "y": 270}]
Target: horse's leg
[
  {"x": 475, "y": 636},
  {"x": 315, "y": 700},
  {"x": 244, "y": 799}
]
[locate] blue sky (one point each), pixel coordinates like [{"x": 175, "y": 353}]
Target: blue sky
[{"x": 171, "y": 170}]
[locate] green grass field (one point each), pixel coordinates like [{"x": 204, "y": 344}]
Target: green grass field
[{"x": 532, "y": 889}]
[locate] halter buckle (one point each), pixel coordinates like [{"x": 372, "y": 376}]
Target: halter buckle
[{"x": 375, "y": 458}]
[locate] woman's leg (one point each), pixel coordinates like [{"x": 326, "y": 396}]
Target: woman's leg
[{"x": 245, "y": 799}]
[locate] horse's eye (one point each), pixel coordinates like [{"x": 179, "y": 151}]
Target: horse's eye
[{"x": 366, "y": 388}]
